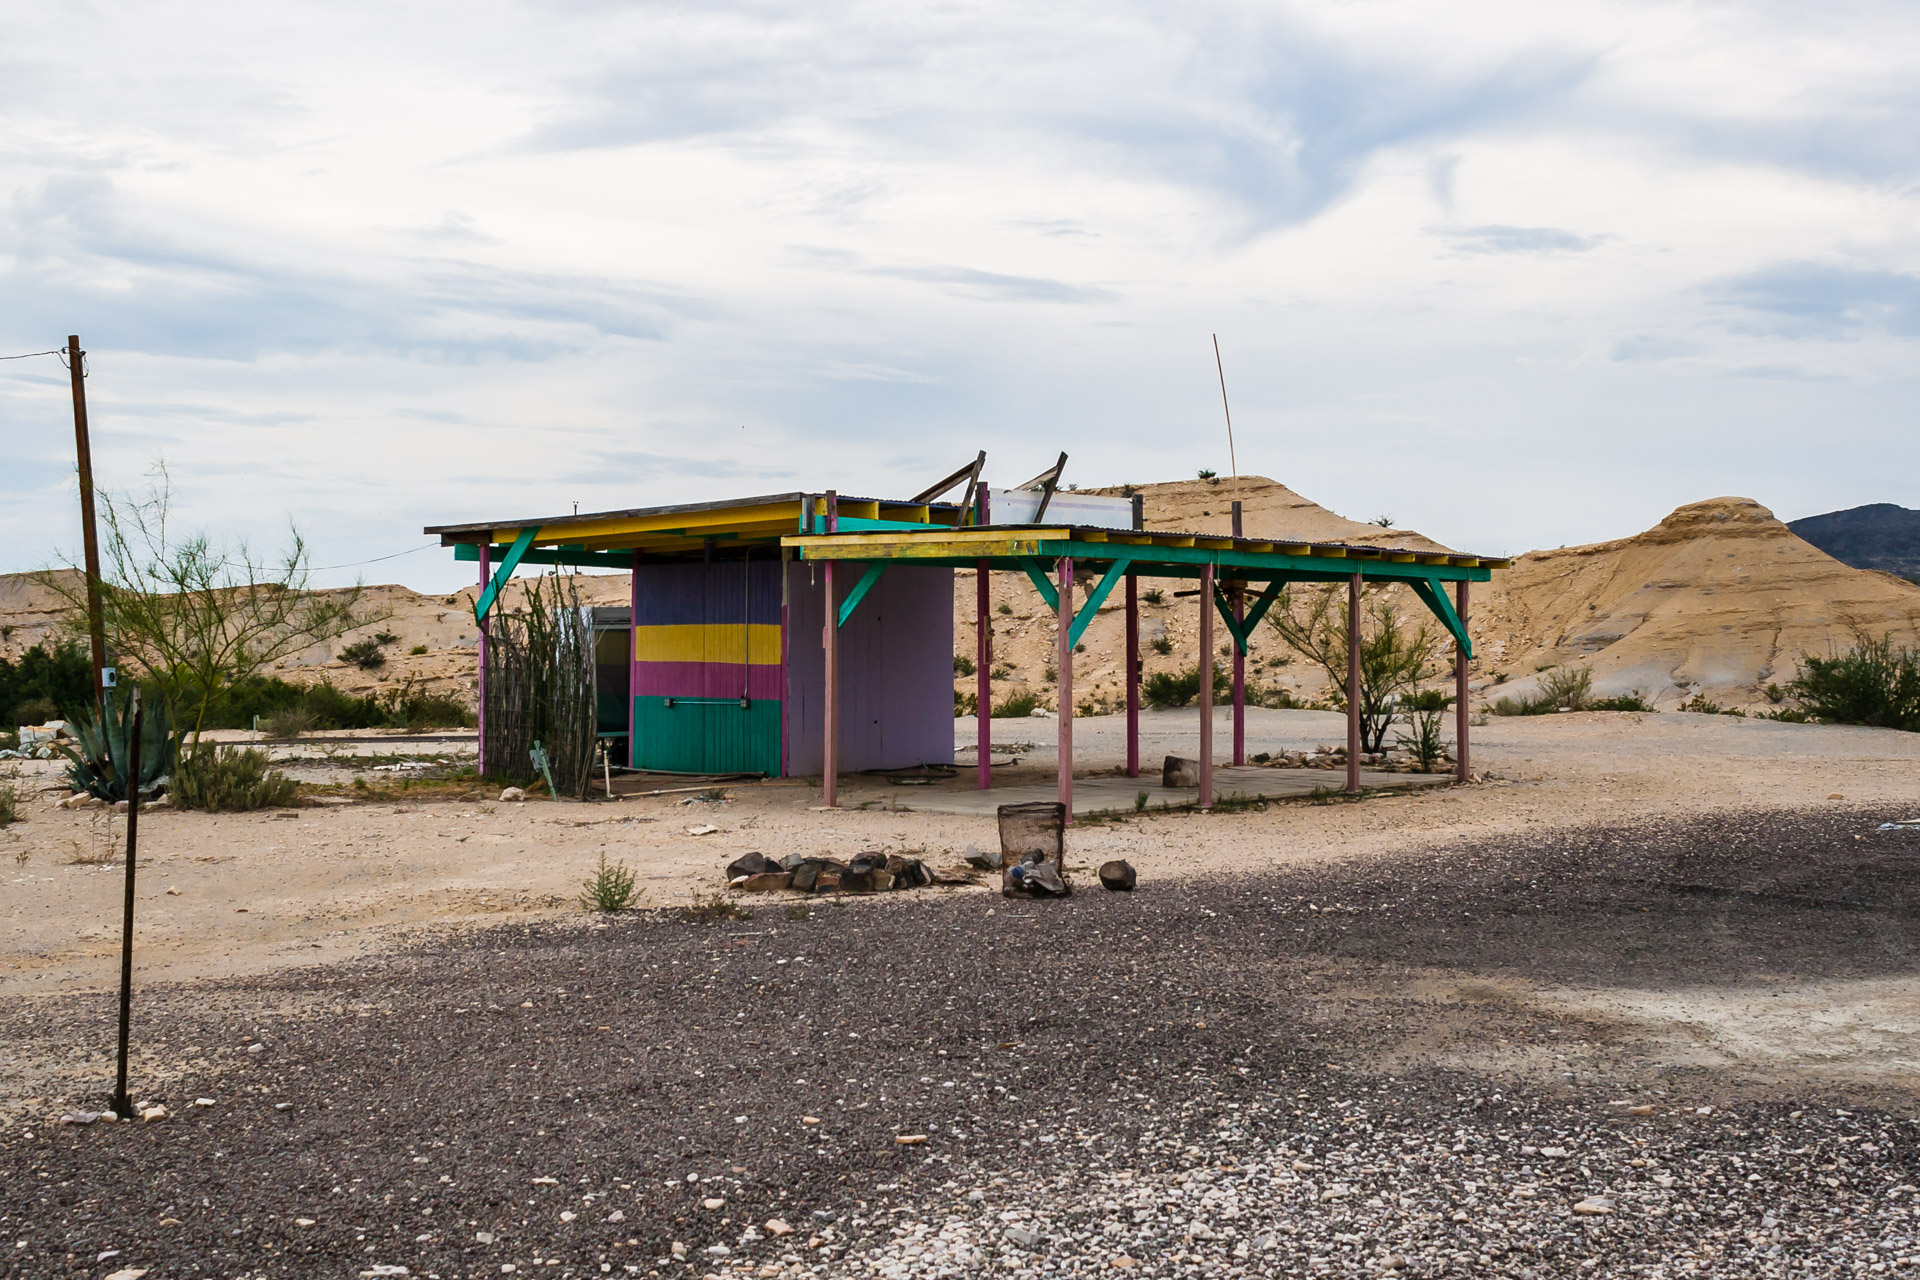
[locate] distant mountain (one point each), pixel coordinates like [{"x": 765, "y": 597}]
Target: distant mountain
[{"x": 1877, "y": 536}]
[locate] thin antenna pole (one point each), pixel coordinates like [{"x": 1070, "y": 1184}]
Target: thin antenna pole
[
  {"x": 1233, "y": 461},
  {"x": 122, "y": 1104}
]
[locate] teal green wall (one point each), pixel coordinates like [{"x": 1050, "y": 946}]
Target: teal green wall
[{"x": 707, "y": 737}]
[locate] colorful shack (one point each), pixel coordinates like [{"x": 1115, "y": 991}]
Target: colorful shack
[{"x": 721, "y": 649}]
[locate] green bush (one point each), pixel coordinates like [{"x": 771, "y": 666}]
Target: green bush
[
  {"x": 1873, "y": 683},
  {"x": 1701, "y": 704},
  {"x": 10, "y": 802},
  {"x": 97, "y": 762},
  {"x": 1161, "y": 645},
  {"x": 1180, "y": 688},
  {"x": 416, "y": 651},
  {"x": 364, "y": 654},
  {"x": 1625, "y": 702},
  {"x": 1153, "y": 595},
  {"x": 225, "y": 779},
  {"x": 287, "y": 724},
  {"x": 1016, "y": 704},
  {"x": 610, "y": 888},
  {"x": 962, "y": 665},
  {"x": 48, "y": 679},
  {"x": 1425, "y": 711},
  {"x": 1568, "y": 687}
]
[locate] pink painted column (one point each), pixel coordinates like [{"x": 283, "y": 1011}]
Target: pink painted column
[
  {"x": 1064, "y": 684},
  {"x": 1239, "y": 664},
  {"x": 830, "y": 638},
  {"x": 1133, "y": 676},
  {"x": 1461, "y": 770},
  {"x": 480, "y": 675},
  {"x": 1206, "y": 687},
  {"x": 1353, "y": 683},
  {"x": 983, "y": 680}
]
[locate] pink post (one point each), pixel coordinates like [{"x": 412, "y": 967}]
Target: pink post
[
  {"x": 633, "y": 658},
  {"x": 480, "y": 676},
  {"x": 1239, "y": 663},
  {"x": 830, "y": 638},
  {"x": 983, "y": 679},
  {"x": 1065, "y": 685},
  {"x": 1353, "y": 683},
  {"x": 1206, "y": 687},
  {"x": 1461, "y": 770},
  {"x": 1133, "y": 676}
]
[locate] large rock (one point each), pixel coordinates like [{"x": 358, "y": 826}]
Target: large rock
[
  {"x": 1118, "y": 876},
  {"x": 751, "y": 864},
  {"x": 768, "y": 882},
  {"x": 1180, "y": 772}
]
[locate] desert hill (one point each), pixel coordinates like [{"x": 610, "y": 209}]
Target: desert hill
[
  {"x": 1719, "y": 598},
  {"x": 1877, "y": 536}
]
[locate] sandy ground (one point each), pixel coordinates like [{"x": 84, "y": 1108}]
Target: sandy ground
[{"x": 223, "y": 895}]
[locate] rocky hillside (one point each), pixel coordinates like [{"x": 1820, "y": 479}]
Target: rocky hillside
[
  {"x": 1719, "y": 598},
  {"x": 1877, "y": 536}
]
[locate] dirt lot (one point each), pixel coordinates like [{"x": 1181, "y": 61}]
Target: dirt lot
[{"x": 1649, "y": 967}]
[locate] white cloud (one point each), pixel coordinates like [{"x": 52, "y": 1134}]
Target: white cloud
[{"x": 1519, "y": 274}]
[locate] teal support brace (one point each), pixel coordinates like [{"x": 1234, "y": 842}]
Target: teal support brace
[
  {"x": 1434, "y": 596},
  {"x": 575, "y": 556},
  {"x": 505, "y": 571},
  {"x": 1243, "y": 631},
  {"x": 860, "y": 589},
  {"x": 1041, "y": 582},
  {"x": 1101, "y": 591}
]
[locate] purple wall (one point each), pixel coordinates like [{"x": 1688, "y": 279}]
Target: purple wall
[{"x": 896, "y": 669}]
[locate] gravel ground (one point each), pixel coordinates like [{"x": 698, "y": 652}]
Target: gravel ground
[{"x": 1238, "y": 1078}]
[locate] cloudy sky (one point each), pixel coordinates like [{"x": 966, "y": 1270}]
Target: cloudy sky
[{"x": 1516, "y": 274}]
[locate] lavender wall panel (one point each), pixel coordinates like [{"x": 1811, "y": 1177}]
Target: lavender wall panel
[{"x": 896, "y": 670}]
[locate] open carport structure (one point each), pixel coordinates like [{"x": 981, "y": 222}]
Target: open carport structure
[{"x": 1238, "y": 579}]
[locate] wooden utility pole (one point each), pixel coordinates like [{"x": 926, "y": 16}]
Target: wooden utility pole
[{"x": 96, "y": 626}]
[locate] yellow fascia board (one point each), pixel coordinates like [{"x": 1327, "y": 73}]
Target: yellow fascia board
[
  {"x": 722, "y": 520},
  {"x": 967, "y": 539}
]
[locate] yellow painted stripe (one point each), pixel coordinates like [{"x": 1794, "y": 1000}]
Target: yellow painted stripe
[{"x": 693, "y": 642}]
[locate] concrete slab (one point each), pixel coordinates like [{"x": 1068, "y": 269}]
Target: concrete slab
[{"x": 1110, "y": 794}]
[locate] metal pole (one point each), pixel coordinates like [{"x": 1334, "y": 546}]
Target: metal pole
[
  {"x": 83, "y": 452},
  {"x": 1206, "y": 687},
  {"x": 830, "y": 708},
  {"x": 123, "y": 1105},
  {"x": 1353, "y": 683},
  {"x": 633, "y": 665},
  {"x": 1461, "y": 769},
  {"x": 1239, "y": 662},
  {"x": 1064, "y": 684},
  {"x": 982, "y": 677}
]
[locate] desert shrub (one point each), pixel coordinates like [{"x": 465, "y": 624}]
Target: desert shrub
[
  {"x": 1568, "y": 687},
  {"x": 963, "y": 665},
  {"x": 1180, "y": 688},
  {"x": 1209, "y": 474},
  {"x": 11, "y": 801},
  {"x": 1019, "y": 703},
  {"x": 1775, "y": 694},
  {"x": 1701, "y": 704},
  {"x": 1161, "y": 645},
  {"x": 1425, "y": 711},
  {"x": 1005, "y": 609},
  {"x": 1873, "y": 683},
  {"x": 1787, "y": 715},
  {"x": 225, "y": 779},
  {"x": 713, "y": 910},
  {"x": 364, "y": 654},
  {"x": 1394, "y": 657},
  {"x": 1050, "y": 675},
  {"x": 287, "y": 723},
  {"x": 384, "y": 637},
  {"x": 44, "y": 680},
  {"x": 416, "y": 651},
  {"x": 611, "y": 887},
  {"x": 1153, "y": 595},
  {"x": 965, "y": 704},
  {"x": 98, "y": 758},
  {"x": 411, "y": 708},
  {"x": 1625, "y": 702}
]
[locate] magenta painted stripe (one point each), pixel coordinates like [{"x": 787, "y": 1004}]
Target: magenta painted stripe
[{"x": 705, "y": 680}]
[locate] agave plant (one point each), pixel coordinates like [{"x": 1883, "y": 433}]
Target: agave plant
[{"x": 98, "y": 766}]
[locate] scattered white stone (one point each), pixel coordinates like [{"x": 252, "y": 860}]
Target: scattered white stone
[
  {"x": 303, "y": 1222},
  {"x": 778, "y": 1227},
  {"x": 1554, "y": 1153},
  {"x": 1594, "y": 1205},
  {"x": 617, "y": 1216},
  {"x": 128, "y": 1273},
  {"x": 153, "y": 1114},
  {"x": 283, "y": 1106},
  {"x": 483, "y": 1237},
  {"x": 714, "y": 1202},
  {"x": 910, "y": 1139},
  {"x": 679, "y": 1248},
  {"x": 704, "y": 829},
  {"x": 512, "y": 794},
  {"x": 203, "y": 1102},
  {"x": 80, "y": 1117},
  {"x": 568, "y": 1215},
  {"x": 546, "y": 1182},
  {"x": 385, "y": 1269}
]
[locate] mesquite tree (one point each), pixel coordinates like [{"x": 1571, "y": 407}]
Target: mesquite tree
[{"x": 1394, "y": 659}]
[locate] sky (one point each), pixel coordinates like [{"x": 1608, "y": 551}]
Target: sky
[{"x": 1516, "y": 275}]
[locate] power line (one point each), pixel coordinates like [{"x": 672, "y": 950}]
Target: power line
[
  {"x": 31, "y": 354},
  {"x": 323, "y": 568}
]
